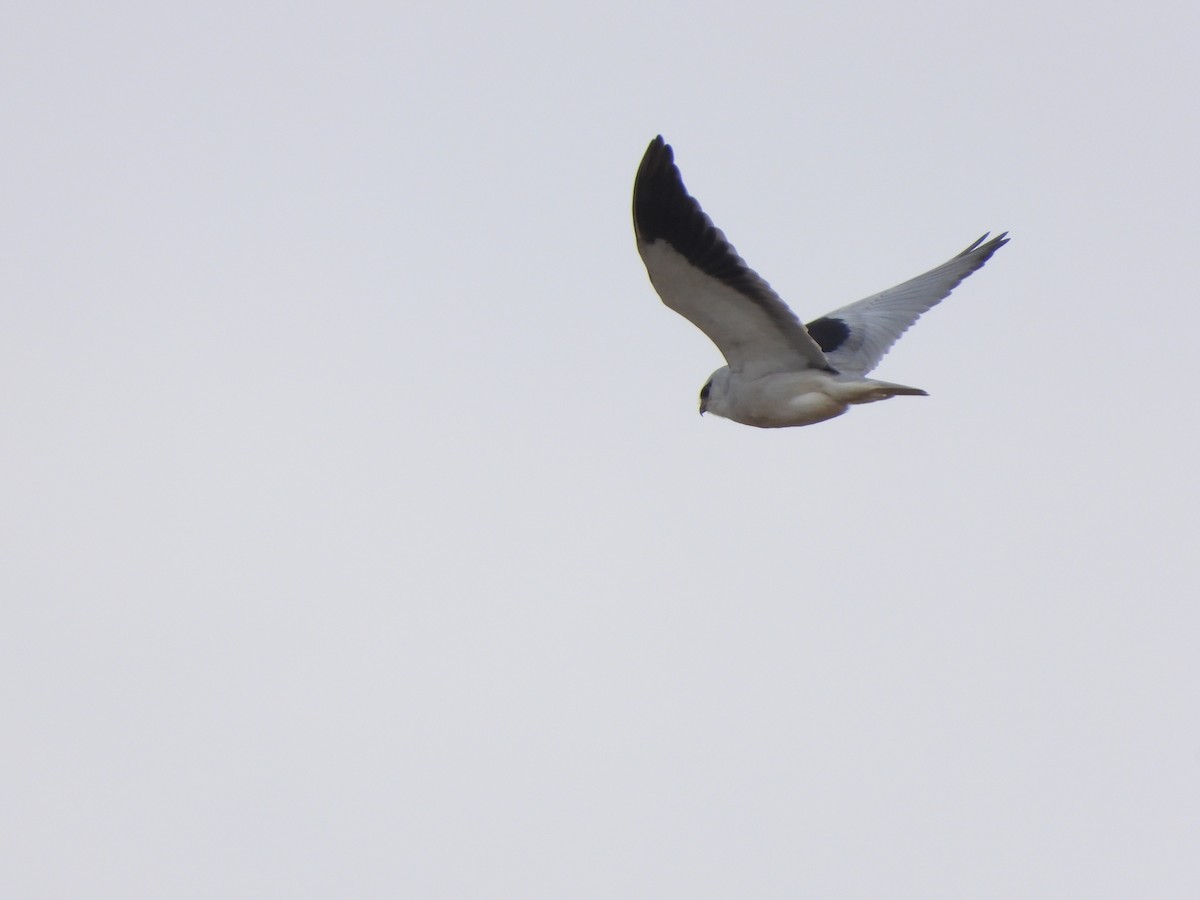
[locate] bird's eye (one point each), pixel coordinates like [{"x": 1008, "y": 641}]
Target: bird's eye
[{"x": 705, "y": 391}]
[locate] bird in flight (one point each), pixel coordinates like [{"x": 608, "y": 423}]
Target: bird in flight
[{"x": 779, "y": 372}]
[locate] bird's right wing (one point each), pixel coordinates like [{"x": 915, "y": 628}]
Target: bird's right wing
[
  {"x": 698, "y": 274},
  {"x": 856, "y": 337}
]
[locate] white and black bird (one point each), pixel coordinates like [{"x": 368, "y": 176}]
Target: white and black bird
[{"x": 780, "y": 372}]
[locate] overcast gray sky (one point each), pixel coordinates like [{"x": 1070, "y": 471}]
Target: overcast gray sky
[{"x": 362, "y": 538}]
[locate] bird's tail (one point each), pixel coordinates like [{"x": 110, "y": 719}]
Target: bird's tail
[{"x": 869, "y": 390}]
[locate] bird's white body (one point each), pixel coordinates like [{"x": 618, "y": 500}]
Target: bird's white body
[
  {"x": 784, "y": 399},
  {"x": 780, "y": 373}
]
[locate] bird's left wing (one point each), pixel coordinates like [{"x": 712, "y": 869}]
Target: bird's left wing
[
  {"x": 698, "y": 274},
  {"x": 856, "y": 337}
]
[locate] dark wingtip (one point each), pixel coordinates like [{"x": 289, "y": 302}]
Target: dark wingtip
[
  {"x": 657, "y": 186},
  {"x": 991, "y": 246},
  {"x": 983, "y": 251}
]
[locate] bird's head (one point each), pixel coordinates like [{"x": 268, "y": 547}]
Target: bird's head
[{"x": 704, "y": 392}]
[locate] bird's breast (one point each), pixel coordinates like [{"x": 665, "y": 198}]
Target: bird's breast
[{"x": 781, "y": 400}]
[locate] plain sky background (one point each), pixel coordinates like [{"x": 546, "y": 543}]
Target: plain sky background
[{"x": 361, "y": 537}]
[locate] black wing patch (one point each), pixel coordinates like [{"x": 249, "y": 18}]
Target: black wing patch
[{"x": 829, "y": 333}]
